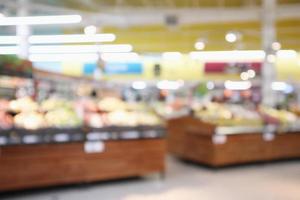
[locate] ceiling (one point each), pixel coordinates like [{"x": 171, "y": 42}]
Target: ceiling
[{"x": 147, "y": 24}]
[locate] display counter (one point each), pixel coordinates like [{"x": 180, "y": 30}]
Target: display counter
[
  {"x": 192, "y": 139},
  {"x": 49, "y": 157}
]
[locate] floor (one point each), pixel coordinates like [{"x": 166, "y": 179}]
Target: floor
[{"x": 187, "y": 181}]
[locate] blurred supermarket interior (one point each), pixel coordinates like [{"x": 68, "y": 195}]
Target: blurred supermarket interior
[{"x": 149, "y": 99}]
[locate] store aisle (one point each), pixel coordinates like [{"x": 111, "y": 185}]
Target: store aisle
[{"x": 275, "y": 181}]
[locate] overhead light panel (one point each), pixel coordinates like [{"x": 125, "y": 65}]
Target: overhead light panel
[
  {"x": 172, "y": 55},
  {"x": 40, "y": 20},
  {"x": 237, "y": 85},
  {"x": 10, "y": 40},
  {"x": 8, "y": 50},
  {"x": 120, "y": 57},
  {"x": 169, "y": 85},
  {"x": 93, "y": 57},
  {"x": 139, "y": 85},
  {"x": 106, "y": 48},
  {"x": 228, "y": 55},
  {"x": 71, "y": 38}
]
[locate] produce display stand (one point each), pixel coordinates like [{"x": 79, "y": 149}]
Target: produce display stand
[
  {"x": 49, "y": 157},
  {"x": 191, "y": 139}
]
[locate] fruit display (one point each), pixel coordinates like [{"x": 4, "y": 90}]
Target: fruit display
[
  {"x": 25, "y": 104},
  {"x": 278, "y": 117},
  {"x": 30, "y": 120},
  {"x": 62, "y": 118},
  {"x": 4, "y": 104},
  {"x": 111, "y": 111},
  {"x": 110, "y": 104},
  {"x": 60, "y": 113},
  {"x": 6, "y": 120},
  {"x": 55, "y": 103},
  {"x": 28, "y": 114},
  {"x": 227, "y": 115}
]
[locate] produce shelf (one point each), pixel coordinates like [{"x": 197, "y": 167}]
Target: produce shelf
[
  {"x": 18, "y": 136},
  {"x": 192, "y": 139}
]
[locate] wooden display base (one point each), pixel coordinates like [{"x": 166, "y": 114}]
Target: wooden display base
[
  {"x": 28, "y": 166},
  {"x": 191, "y": 139}
]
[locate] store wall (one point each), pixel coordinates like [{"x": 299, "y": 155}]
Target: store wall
[{"x": 288, "y": 68}]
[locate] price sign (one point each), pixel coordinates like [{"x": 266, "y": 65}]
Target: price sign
[
  {"x": 268, "y": 136},
  {"x": 3, "y": 140},
  {"x": 130, "y": 135},
  {"x": 150, "y": 134},
  {"x": 94, "y": 147},
  {"x": 94, "y": 136},
  {"x": 269, "y": 133},
  {"x": 219, "y": 139},
  {"x": 61, "y": 137},
  {"x": 30, "y": 139}
]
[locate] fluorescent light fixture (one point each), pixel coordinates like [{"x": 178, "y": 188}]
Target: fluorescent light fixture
[
  {"x": 279, "y": 86},
  {"x": 39, "y": 20},
  {"x": 244, "y": 76},
  {"x": 171, "y": 55},
  {"x": 231, "y": 37},
  {"x": 10, "y": 40},
  {"x": 8, "y": 50},
  {"x": 75, "y": 38},
  {"x": 111, "y": 48},
  {"x": 228, "y": 55},
  {"x": 80, "y": 48},
  {"x": 120, "y": 56},
  {"x": 286, "y": 54},
  {"x": 90, "y": 30},
  {"x": 93, "y": 57},
  {"x": 168, "y": 85},
  {"x": 139, "y": 85},
  {"x": 200, "y": 45},
  {"x": 237, "y": 85},
  {"x": 210, "y": 85}
]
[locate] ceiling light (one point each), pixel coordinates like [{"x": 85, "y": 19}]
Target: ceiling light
[
  {"x": 63, "y": 57},
  {"x": 111, "y": 48},
  {"x": 38, "y": 20},
  {"x": 168, "y": 85},
  {"x": 90, "y": 30},
  {"x": 210, "y": 85},
  {"x": 8, "y": 50},
  {"x": 286, "y": 54},
  {"x": 231, "y": 37},
  {"x": 171, "y": 55},
  {"x": 10, "y": 40},
  {"x": 228, "y": 55},
  {"x": 200, "y": 45},
  {"x": 281, "y": 86},
  {"x": 276, "y": 46},
  {"x": 74, "y": 38},
  {"x": 120, "y": 56},
  {"x": 237, "y": 85},
  {"x": 244, "y": 76},
  {"x": 139, "y": 85},
  {"x": 80, "y": 48},
  {"x": 251, "y": 73}
]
